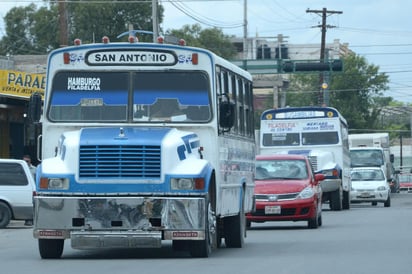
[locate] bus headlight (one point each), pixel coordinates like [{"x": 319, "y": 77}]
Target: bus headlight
[
  {"x": 54, "y": 183},
  {"x": 187, "y": 183}
]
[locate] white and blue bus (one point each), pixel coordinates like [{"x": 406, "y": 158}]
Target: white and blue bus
[
  {"x": 320, "y": 133},
  {"x": 143, "y": 142}
]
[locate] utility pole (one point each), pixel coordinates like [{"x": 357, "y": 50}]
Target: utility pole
[
  {"x": 63, "y": 38},
  {"x": 324, "y": 12},
  {"x": 323, "y": 27},
  {"x": 280, "y": 82},
  {"x": 155, "y": 21},
  {"x": 245, "y": 46}
]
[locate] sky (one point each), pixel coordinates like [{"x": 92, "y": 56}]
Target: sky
[{"x": 379, "y": 30}]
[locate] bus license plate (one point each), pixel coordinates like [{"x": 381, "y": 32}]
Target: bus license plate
[{"x": 272, "y": 209}]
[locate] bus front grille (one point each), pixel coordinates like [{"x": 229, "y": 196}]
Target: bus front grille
[{"x": 106, "y": 161}]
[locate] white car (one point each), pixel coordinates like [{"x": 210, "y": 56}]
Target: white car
[
  {"x": 369, "y": 184},
  {"x": 16, "y": 191}
]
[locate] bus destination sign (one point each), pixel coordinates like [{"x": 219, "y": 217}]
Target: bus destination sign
[{"x": 130, "y": 58}]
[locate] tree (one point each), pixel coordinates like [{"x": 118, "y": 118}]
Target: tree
[
  {"x": 303, "y": 90},
  {"x": 212, "y": 39},
  {"x": 91, "y": 21},
  {"x": 19, "y": 37},
  {"x": 357, "y": 92},
  {"x": 36, "y": 31}
]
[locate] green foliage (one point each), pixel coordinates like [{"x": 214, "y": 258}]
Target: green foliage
[
  {"x": 356, "y": 92},
  {"x": 37, "y": 31},
  {"x": 91, "y": 21},
  {"x": 46, "y": 19},
  {"x": 303, "y": 90},
  {"x": 212, "y": 39},
  {"x": 19, "y": 38},
  {"x": 353, "y": 92}
]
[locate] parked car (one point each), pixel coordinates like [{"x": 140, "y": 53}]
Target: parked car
[
  {"x": 286, "y": 190},
  {"x": 405, "y": 182},
  {"x": 369, "y": 184},
  {"x": 16, "y": 191}
]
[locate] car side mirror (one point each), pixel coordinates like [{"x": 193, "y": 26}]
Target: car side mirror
[{"x": 319, "y": 177}]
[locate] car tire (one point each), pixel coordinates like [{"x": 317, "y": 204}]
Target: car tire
[
  {"x": 387, "y": 202},
  {"x": 5, "y": 215},
  {"x": 374, "y": 203},
  {"x": 51, "y": 248},
  {"x": 314, "y": 222},
  {"x": 320, "y": 220}
]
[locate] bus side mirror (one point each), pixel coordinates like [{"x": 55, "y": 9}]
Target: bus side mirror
[
  {"x": 35, "y": 107},
  {"x": 226, "y": 114}
]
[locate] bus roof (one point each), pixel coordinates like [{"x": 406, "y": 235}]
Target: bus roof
[{"x": 141, "y": 46}]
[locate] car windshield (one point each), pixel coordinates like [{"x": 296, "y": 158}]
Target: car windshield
[
  {"x": 281, "y": 169},
  {"x": 367, "y": 175}
]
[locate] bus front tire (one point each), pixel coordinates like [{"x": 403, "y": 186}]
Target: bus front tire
[{"x": 203, "y": 248}]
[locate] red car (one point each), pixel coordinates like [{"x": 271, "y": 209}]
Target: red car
[
  {"x": 405, "y": 182},
  {"x": 286, "y": 190}
]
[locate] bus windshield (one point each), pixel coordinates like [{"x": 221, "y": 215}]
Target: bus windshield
[
  {"x": 145, "y": 96},
  {"x": 366, "y": 157},
  {"x": 296, "y": 139}
]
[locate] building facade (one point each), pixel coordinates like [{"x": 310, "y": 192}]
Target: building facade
[{"x": 20, "y": 76}]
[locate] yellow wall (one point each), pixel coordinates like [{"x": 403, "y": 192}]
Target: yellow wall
[{"x": 21, "y": 84}]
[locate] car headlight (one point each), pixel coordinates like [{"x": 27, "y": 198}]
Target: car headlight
[
  {"x": 382, "y": 188},
  {"x": 54, "y": 183},
  {"x": 187, "y": 183},
  {"x": 306, "y": 193}
]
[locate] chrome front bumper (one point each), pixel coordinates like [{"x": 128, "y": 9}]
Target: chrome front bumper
[
  {"x": 96, "y": 222},
  {"x": 329, "y": 185}
]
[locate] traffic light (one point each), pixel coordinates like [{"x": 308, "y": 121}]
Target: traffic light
[{"x": 297, "y": 66}]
